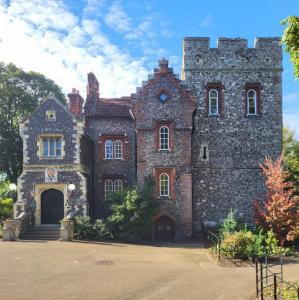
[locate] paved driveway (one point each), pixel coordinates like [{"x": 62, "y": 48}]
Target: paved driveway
[{"x": 62, "y": 270}]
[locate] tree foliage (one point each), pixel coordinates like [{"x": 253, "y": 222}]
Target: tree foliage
[
  {"x": 290, "y": 39},
  {"x": 280, "y": 210},
  {"x": 19, "y": 95},
  {"x": 131, "y": 218},
  {"x": 291, "y": 157}
]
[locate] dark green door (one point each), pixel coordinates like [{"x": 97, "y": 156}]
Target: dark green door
[{"x": 52, "y": 210}]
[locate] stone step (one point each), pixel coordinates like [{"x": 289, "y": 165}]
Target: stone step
[{"x": 42, "y": 232}]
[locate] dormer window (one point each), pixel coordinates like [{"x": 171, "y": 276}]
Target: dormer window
[
  {"x": 251, "y": 102},
  {"x": 213, "y": 102}
]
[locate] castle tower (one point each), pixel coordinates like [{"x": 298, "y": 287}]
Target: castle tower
[{"x": 238, "y": 122}]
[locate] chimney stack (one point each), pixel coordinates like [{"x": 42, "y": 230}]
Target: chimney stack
[
  {"x": 75, "y": 102},
  {"x": 92, "y": 87}
]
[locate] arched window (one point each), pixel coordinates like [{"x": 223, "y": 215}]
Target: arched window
[
  {"x": 108, "y": 188},
  {"x": 108, "y": 149},
  {"x": 118, "y": 185},
  {"x": 164, "y": 138},
  {"x": 118, "y": 149},
  {"x": 164, "y": 185},
  {"x": 251, "y": 102},
  {"x": 213, "y": 102}
]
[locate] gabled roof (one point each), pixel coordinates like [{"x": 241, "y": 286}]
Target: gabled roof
[
  {"x": 113, "y": 107},
  {"x": 51, "y": 97}
]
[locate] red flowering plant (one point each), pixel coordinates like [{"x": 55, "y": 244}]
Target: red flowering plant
[{"x": 279, "y": 211}]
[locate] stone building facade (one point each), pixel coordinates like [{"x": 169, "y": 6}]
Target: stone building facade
[{"x": 201, "y": 139}]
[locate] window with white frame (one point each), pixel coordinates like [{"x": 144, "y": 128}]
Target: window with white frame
[
  {"x": 118, "y": 185},
  {"x": 213, "y": 102},
  {"x": 118, "y": 149},
  {"x": 164, "y": 185},
  {"x": 108, "y": 188},
  {"x": 108, "y": 149},
  {"x": 51, "y": 147},
  {"x": 164, "y": 138},
  {"x": 251, "y": 102}
]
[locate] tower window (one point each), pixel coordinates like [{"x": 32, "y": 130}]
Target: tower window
[
  {"x": 251, "y": 102},
  {"x": 51, "y": 147},
  {"x": 213, "y": 102}
]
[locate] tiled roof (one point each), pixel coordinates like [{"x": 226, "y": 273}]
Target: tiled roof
[{"x": 114, "y": 107}]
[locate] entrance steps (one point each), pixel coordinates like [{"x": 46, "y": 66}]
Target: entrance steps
[{"x": 42, "y": 232}]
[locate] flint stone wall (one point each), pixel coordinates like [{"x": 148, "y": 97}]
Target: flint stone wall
[{"x": 230, "y": 177}]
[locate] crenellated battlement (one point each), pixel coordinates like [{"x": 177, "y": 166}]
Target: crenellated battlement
[{"x": 231, "y": 53}]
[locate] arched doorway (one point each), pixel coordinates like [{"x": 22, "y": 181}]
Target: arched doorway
[
  {"x": 164, "y": 229},
  {"x": 52, "y": 206}
]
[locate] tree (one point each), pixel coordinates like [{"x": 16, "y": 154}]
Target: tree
[
  {"x": 280, "y": 211},
  {"x": 291, "y": 157},
  {"x": 131, "y": 218},
  {"x": 20, "y": 92},
  {"x": 291, "y": 40}
]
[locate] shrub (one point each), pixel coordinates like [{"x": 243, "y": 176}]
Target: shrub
[
  {"x": 86, "y": 230},
  {"x": 6, "y": 208},
  {"x": 131, "y": 218},
  {"x": 230, "y": 223},
  {"x": 240, "y": 244}
]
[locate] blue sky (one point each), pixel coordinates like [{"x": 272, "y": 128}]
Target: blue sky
[{"x": 121, "y": 41}]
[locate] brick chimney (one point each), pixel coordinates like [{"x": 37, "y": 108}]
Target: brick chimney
[
  {"x": 92, "y": 87},
  {"x": 75, "y": 102}
]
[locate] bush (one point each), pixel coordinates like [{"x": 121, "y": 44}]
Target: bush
[
  {"x": 86, "y": 230},
  {"x": 6, "y": 208},
  {"x": 230, "y": 223},
  {"x": 131, "y": 219},
  {"x": 240, "y": 244}
]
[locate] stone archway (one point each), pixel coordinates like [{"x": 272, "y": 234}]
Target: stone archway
[
  {"x": 38, "y": 191},
  {"x": 164, "y": 229},
  {"x": 52, "y": 206}
]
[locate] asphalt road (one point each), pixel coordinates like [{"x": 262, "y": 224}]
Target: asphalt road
[{"x": 63, "y": 270}]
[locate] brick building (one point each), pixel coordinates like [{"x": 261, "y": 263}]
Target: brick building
[{"x": 201, "y": 138}]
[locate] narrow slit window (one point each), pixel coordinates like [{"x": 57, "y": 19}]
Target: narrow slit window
[
  {"x": 164, "y": 185},
  {"x": 213, "y": 102},
  {"x": 251, "y": 102}
]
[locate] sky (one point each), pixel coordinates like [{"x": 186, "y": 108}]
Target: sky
[{"x": 121, "y": 41}]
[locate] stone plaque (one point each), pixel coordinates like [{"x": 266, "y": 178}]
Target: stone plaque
[{"x": 50, "y": 175}]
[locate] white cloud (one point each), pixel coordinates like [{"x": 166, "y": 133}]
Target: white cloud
[
  {"x": 117, "y": 18},
  {"x": 206, "y": 22},
  {"x": 45, "y": 36}
]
